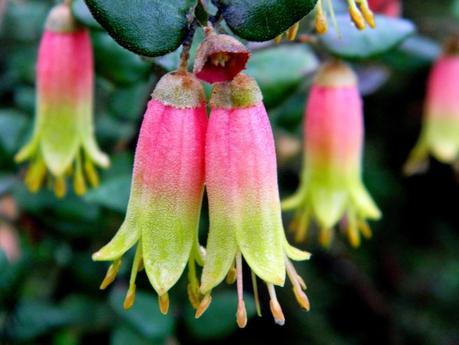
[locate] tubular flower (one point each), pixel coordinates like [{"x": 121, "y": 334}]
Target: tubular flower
[
  {"x": 440, "y": 131},
  {"x": 244, "y": 205},
  {"x": 219, "y": 57},
  {"x": 359, "y": 10},
  {"x": 63, "y": 140},
  {"x": 167, "y": 186},
  {"x": 331, "y": 187}
]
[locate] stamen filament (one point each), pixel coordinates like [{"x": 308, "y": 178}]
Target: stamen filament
[
  {"x": 275, "y": 307},
  {"x": 79, "y": 184},
  {"x": 130, "y": 296},
  {"x": 352, "y": 229},
  {"x": 193, "y": 285},
  {"x": 356, "y": 15},
  {"x": 320, "y": 19},
  {"x": 325, "y": 237},
  {"x": 255, "y": 293},
  {"x": 241, "y": 315},
  {"x": 60, "y": 188},
  {"x": 293, "y": 31},
  {"x": 300, "y": 296}
]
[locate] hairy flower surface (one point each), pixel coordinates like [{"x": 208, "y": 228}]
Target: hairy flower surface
[
  {"x": 244, "y": 205},
  {"x": 167, "y": 186},
  {"x": 331, "y": 188},
  {"x": 63, "y": 140},
  {"x": 440, "y": 130}
]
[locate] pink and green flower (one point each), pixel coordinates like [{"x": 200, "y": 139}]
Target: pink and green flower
[
  {"x": 440, "y": 131},
  {"x": 331, "y": 189},
  {"x": 244, "y": 205},
  {"x": 166, "y": 193},
  {"x": 63, "y": 140}
]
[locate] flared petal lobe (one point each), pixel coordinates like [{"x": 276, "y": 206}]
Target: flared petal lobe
[
  {"x": 168, "y": 182},
  {"x": 440, "y": 129},
  {"x": 63, "y": 138},
  {"x": 331, "y": 189}
]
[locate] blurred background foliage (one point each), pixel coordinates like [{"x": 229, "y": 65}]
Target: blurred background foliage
[{"x": 401, "y": 287}]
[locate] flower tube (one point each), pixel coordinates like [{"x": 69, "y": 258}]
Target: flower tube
[
  {"x": 440, "y": 131},
  {"x": 244, "y": 205},
  {"x": 167, "y": 186},
  {"x": 63, "y": 140},
  {"x": 331, "y": 187}
]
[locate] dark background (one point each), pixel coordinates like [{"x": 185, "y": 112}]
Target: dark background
[{"x": 400, "y": 287}]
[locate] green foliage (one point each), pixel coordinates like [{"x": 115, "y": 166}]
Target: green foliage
[
  {"x": 262, "y": 20},
  {"x": 147, "y": 27}
]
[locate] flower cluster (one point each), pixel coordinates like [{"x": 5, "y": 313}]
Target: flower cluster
[{"x": 234, "y": 156}]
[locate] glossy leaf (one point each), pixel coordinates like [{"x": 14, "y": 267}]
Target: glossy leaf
[
  {"x": 146, "y": 27},
  {"x": 354, "y": 44},
  {"x": 262, "y": 20}
]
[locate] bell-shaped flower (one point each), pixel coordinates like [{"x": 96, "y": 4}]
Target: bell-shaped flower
[
  {"x": 166, "y": 192},
  {"x": 331, "y": 187},
  {"x": 243, "y": 195},
  {"x": 440, "y": 130},
  {"x": 219, "y": 57},
  {"x": 63, "y": 140}
]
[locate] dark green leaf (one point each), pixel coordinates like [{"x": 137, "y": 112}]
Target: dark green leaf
[
  {"x": 279, "y": 70},
  {"x": 219, "y": 320},
  {"x": 146, "y": 27},
  {"x": 262, "y": 20},
  {"x": 201, "y": 14},
  {"x": 351, "y": 43},
  {"x": 144, "y": 316},
  {"x": 116, "y": 63},
  {"x": 83, "y": 15}
]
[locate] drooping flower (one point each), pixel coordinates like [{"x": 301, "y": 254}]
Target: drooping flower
[
  {"x": 392, "y": 8},
  {"x": 219, "y": 57},
  {"x": 244, "y": 205},
  {"x": 359, "y": 10},
  {"x": 63, "y": 140},
  {"x": 440, "y": 131},
  {"x": 331, "y": 187},
  {"x": 167, "y": 186}
]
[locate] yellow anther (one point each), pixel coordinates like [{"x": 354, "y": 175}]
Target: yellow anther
[
  {"x": 164, "y": 303},
  {"x": 293, "y": 31},
  {"x": 79, "y": 185},
  {"x": 365, "y": 229},
  {"x": 35, "y": 175},
  {"x": 352, "y": 230},
  {"x": 205, "y": 302},
  {"x": 91, "y": 173},
  {"x": 241, "y": 315},
  {"x": 325, "y": 237},
  {"x": 367, "y": 13},
  {"x": 60, "y": 187},
  {"x": 320, "y": 20},
  {"x": 130, "y": 297},
  {"x": 301, "y": 298},
  {"x": 278, "y": 39},
  {"x": 356, "y": 15},
  {"x": 111, "y": 274},
  {"x": 219, "y": 59},
  {"x": 231, "y": 276},
  {"x": 275, "y": 307}
]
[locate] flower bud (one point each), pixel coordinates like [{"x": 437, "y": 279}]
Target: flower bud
[
  {"x": 219, "y": 57},
  {"x": 167, "y": 186},
  {"x": 331, "y": 187},
  {"x": 440, "y": 130},
  {"x": 63, "y": 138},
  {"x": 241, "y": 182}
]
